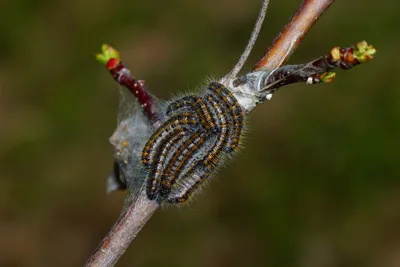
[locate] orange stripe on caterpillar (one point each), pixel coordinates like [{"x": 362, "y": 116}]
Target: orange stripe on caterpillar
[
  {"x": 235, "y": 111},
  {"x": 180, "y": 157},
  {"x": 158, "y": 159},
  {"x": 179, "y": 120}
]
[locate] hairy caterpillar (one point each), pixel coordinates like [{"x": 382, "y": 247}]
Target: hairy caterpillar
[{"x": 199, "y": 130}]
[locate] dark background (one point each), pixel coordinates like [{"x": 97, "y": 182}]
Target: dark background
[{"x": 317, "y": 183}]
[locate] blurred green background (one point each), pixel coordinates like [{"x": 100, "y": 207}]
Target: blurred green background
[{"x": 316, "y": 185}]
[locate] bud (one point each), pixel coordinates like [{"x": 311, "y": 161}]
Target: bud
[{"x": 108, "y": 56}]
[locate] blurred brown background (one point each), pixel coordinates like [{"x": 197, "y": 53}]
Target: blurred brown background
[{"x": 316, "y": 185}]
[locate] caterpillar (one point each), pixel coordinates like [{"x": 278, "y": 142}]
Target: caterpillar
[{"x": 190, "y": 145}]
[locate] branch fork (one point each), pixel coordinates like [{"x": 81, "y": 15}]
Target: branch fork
[{"x": 267, "y": 76}]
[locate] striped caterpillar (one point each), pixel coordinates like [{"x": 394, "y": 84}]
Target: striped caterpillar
[{"x": 189, "y": 146}]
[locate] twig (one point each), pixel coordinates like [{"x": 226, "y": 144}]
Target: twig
[
  {"x": 110, "y": 58},
  {"x": 257, "y": 86},
  {"x": 290, "y": 37},
  {"x": 251, "y": 43},
  {"x": 316, "y": 71}
]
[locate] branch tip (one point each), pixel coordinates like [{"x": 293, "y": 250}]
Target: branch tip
[
  {"x": 349, "y": 57},
  {"x": 364, "y": 52},
  {"x": 108, "y": 56}
]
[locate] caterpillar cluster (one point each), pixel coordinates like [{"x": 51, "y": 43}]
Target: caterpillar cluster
[{"x": 189, "y": 146}]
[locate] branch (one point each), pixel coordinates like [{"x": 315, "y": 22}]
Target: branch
[
  {"x": 129, "y": 224},
  {"x": 290, "y": 37}
]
